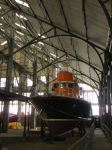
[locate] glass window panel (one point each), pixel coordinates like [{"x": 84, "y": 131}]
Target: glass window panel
[
  {"x": 29, "y": 82},
  {"x": 2, "y": 82},
  {"x": 56, "y": 85},
  {"x": 95, "y": 110},
  {"x": 89, "y": 88},
  {"x": 76, "y": 86},
  {"x": 16, "y": 81},
  {"x": 84, "y": 87},
  {"x": 62, "y": 85},
  {"x": 90, "y": 97},
  {"x": 43, "y": 78},
  {"x": 71, "y": 85},
  {"x": 13, "y": 109},
  {"x": 27, "y": 94},
  {"x": 40, "y": 93},
  {"x": 85, "y": 96}
]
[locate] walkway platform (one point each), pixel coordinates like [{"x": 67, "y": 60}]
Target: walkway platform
[
  {"x": 9, "y": 96},
  {"x": 100, "y": 142}
]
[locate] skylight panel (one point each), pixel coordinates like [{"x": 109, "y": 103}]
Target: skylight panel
[
  {"x": 20, "y": 16},
  {"x": 2, "y": 30},
  {"x": 22, "y": 3},
  {"x": 19, "y": 33},
  {"x": 20, "y": 26},
  {"x": 0, "y": 24},
  {"x": 18, "y": 45},
  {"x": 0, "y": 7},
  {"x": 4, "y": 43},
  {"x": 18, "y": 37},
  {"x": 42, "y": 36},
  {"x": 53, "y": 55},
  {"x": 41, "y": 43}
]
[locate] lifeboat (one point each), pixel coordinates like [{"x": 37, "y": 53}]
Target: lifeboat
[{"x": 62, "y": 109}]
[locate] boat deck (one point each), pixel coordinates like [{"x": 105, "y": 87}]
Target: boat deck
[{"x": 100, "y": 142}]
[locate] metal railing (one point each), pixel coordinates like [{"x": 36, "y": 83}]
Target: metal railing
[
  {"x": 85, "y": 142},
  {"x": 107, "y": 132}
]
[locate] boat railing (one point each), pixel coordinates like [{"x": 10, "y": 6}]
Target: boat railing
[
  {"x": 85, "y": 142},
  {"x": 107, "y": 132}
]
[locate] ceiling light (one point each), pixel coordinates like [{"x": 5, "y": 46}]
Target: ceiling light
[
  {"x": 2, "y": 18},
  {"x": 4, "y": 43},
  {"x": 20, "y": 26},
  {"x": 19, "y": 32},
  {"x": 0, "y": 7},
  {"x": 22, "y": 3},
  {"x": 0, "y": 24}
]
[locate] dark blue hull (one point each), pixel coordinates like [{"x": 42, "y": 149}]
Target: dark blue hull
[{"x": 59, "y": 109}]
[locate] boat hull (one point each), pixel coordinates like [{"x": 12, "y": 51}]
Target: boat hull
[{"x": 61, "y": 113}]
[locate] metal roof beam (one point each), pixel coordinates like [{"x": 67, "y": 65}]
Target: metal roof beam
[
  {"x": 83, "y": 62},
  {"x": 68, "y": 35},
  {"x": 64, "y": 15},
  {"x": 5, "y": 12},
  {"x": 85, "y": 24},
  {"x": 109, "y": 19},
  {"x": 86, "y": 75},
  {"x": 51, "y": 63},
  {"x": 31, "y": 42},
  {"x": 62, "y": 29},
  {"x": 87, "y": 83},
  {"x": 72, "y": 56}
]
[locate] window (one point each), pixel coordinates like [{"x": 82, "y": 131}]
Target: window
[
  {"x": 76, "y": 86},
  {"x": 95, "y": 110},
  {"x": 63, "y": 85},
  {"x": 27, "y": 94},
  {"x": 16, "y": 81},
  {"x": 40, "y": 93},
  {"x": 43, "y": 78},
  {"x": 56, "y": 71},
  {"x": 56, "y": 85},
  {"x": 91, "y": 95},
  {"x": 70, "y": 85},
  {"x": 2, "y": 82},
  {"x": 29, "y": 82}
]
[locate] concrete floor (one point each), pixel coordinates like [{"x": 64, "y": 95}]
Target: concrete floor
[{"x": 100, "y": 142}]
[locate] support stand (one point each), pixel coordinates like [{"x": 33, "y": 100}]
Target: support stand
[
  {"x": 42, "y": 128},
  {"x": 51, "y": 139}
]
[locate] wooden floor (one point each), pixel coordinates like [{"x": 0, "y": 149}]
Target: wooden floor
[{"x": 100, "y": 142}]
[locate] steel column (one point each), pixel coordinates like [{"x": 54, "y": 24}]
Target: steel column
[
  {"x": 32, "y": 118},
  {"x": 9, "y": 75},
  {"x": 111, "y": 97},
  {"x": 108, "y": 101}
]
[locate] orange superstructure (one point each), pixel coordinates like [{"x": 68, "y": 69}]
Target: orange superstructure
[{"x": 65, "y": 84}]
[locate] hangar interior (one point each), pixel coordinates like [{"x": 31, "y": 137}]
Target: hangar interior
[{"x": 39, "y": 36}]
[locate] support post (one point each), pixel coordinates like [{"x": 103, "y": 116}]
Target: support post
[
  {"x": 32, "y": 118},
  {"x": 5, "y": 121},
  {"x": 108, "y": 99},
  {"x": 20, "y": 92}
]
